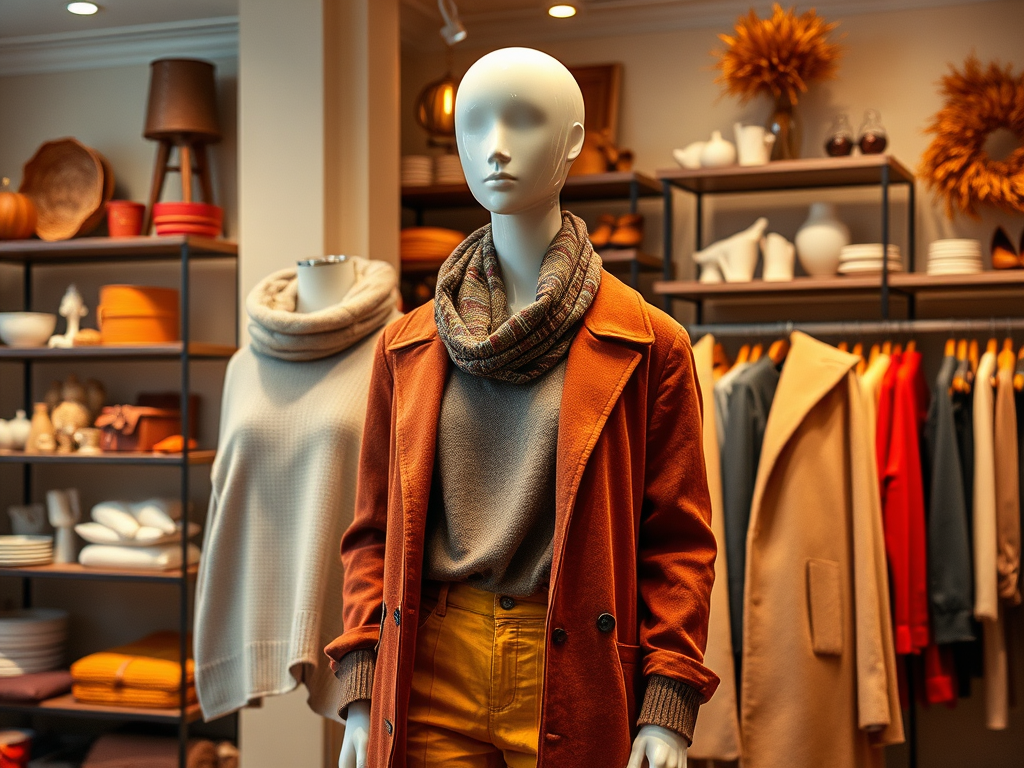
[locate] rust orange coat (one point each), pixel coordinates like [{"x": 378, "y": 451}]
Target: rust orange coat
[{"x": 632, "y": 527}]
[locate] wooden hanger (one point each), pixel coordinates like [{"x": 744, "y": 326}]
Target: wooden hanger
[
  {"x": 950, "y": 350},
  {"x": 887, "y": 348},
  {"x": 1018, "y": 376},
  {"x": 742, "y": 356},
  {"x": 756, "y": 352},
  {"x": 992, "y": 347},
  {"x": 960, "y": 382},
  {"x": 778, "y": 351},
  {"x": 842, "y": 346},
  {"x": 972, "y": 360},
  {"x": 1007, "y": 357},
  {"x": 876, "y": 350},
  {"x": 911, "y": 346},
  {"x": 719, "y": 357},
  {"x": 897, "y": 349},
  {"x": 862, "y": 364}
]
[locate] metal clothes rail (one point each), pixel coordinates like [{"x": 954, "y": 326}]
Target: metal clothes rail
[{"x": 994, "y": 325}]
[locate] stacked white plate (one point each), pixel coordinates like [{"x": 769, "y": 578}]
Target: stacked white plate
[
  {"x": 448, "y": 170},
  {"x": 417, "y": 170},
  {"x": 32, "y": 640},
  {"x": 954, "y": 257},
  {"x": 866, "y": 259},
  {"x": 25, "y": 550}
]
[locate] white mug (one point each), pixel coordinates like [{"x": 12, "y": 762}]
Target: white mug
[
  {"x": 754, "y": 144},
  {"x": 779, "y": 256}
]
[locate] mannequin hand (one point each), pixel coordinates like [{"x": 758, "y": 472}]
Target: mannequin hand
[
  {"x": 662, "y": 748},
  {"x": 357, "y": 734}
]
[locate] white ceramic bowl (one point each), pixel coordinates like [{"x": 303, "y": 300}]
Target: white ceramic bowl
[{"x": 26, "y": 329}]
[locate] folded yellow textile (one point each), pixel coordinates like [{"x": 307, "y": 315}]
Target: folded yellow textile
[
  {"x": 142, "y": 698},
  {"x": 152, "y": 663}
]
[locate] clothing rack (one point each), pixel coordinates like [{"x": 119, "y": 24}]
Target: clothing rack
[{"x": 992, "y": 325}]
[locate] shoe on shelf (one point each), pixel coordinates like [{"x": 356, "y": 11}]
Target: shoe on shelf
[
  {"x": 1003, "y": 254},
  {"x": 629, "y": 231},
  {"x": 603, "y": 230}
]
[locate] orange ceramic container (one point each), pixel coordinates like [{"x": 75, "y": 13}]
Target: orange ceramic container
[{"x": 137, "y": 314}]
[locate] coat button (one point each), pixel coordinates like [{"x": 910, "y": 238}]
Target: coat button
[
  {"x": 507, "y": 603},
  {"x": 388, "y": 727},
  {"x": 398, "y": 617},
  {"x": 606, "y": 622},
  {"x": 559, "y": 636}
]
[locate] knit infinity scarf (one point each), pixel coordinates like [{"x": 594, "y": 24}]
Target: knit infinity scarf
[
  {"x": 471, "y": 308},
  {"x": 277, "y": 330}
]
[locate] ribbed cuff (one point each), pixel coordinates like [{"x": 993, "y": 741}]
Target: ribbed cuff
[
  {"x": 355, "y": 671},
  {"x": 671, "y": 704}
]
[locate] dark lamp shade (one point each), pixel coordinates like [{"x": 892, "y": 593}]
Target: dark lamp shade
[
  {"x": 182, "y": 101},
  {"x": 435, "y": 107}
]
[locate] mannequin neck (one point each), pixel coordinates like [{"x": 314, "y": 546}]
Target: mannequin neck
[
  {"x": 521, "y": 241},
  {"x": 323, "y": 282}
]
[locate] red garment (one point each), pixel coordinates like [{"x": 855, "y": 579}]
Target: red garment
[{"x": 901, "y": 414}]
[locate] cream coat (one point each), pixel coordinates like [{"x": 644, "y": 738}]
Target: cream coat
[{"x": 819, "y": 675}]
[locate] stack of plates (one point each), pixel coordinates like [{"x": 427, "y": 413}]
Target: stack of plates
[
  {"x": 417, "y": 170},
  {"x": 25, "y": 550},
  {"x": 32, "y": 641},
  {"x": 954, "y": 257},
  {"x": 429, "y": 243},
  {"x": 448, "y": 170},
  {"x": 866, "y": 259}
]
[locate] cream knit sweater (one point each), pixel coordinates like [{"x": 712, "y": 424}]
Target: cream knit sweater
[{"x": 269, "y": 589}]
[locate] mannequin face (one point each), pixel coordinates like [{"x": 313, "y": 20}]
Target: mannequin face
[{"x": 519, "y": 126}]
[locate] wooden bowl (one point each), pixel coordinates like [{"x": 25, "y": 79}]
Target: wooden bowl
[{"x": 67, "y": 182}]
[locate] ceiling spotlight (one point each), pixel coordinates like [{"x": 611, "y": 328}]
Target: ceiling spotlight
[
  {"x": 83, "y": 9},
  {"x": 563, "y": 11},
  {"x": 453, "y": 31}
]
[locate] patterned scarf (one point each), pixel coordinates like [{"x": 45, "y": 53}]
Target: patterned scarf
[{"x": 471, "y": 308}]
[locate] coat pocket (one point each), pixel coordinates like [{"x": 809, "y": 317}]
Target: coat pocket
[
  {"x": 825, "y": 606},
  {"x": 629, "y": 661}
]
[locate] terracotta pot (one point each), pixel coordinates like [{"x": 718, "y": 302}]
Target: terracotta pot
[
  {"x": 188, "y": 219},
  {"x": 124, "y": 218},
  {"x": 133, "y": 314}
]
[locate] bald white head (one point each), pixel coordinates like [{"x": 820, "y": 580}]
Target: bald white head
[{"x": 519, "y": 126}]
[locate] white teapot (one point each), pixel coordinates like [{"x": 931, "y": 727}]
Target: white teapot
[
  {"x": 718, "y": 152},
  {"x": 754, "y": 143}
]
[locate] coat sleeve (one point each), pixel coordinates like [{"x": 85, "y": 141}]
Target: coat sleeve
[
  {"x": 362, "y": 546},
  {"x": 878, "y": 708},
  {"x": 676, "y": 550}
]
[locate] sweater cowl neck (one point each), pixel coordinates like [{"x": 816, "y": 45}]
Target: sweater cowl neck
[{"x": 277, "y": 330}]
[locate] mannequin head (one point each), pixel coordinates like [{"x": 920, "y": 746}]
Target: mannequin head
[{"x": 519, "y": 126}]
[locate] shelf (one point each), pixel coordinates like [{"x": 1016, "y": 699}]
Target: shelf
[
  {"x": 111, "y": 457},
  {"x": 96, "y": 249},
  {"x": 614, "y": 259},
  {"x": 801, "y": 287},
  {"x": 75, "y": 571},
  {"x": 172, "y": 351},
  {"x": 597, "y": 186},
  {"x": 813, "y": 173},
  {"x": 920, "y": 282},
  {"x": 66, "y": 706}
]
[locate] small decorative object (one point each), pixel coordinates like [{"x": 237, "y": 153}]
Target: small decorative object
[
  {"x": 753, "y": 143},
  {"x": 26, "y": 329},
  {"x": 27, "y": 519},
  {"x": 136, "y": 428},
  {"x": 689, "y": 156},
  {"x": 19, "y": 428},
  {"x": 866, "y": 259},
  {"x": 40, "y": 436},
  {"x": 71, "y": 415},
  {"x": 840, "y": 137},
  {"x": 72, "y": 309},
  {"x": 1004, "y": 255},
  {"x": 600, "y": 155},
  {"x": 735, "y": 256},
  {"x": 779, "y": 256},
  {"x": 629, "y": 231},
  {"x": 873, "y": 138},
  {"x": 15, "y": 748},
  {"x": 134, "y": 314},
  {"x": 435, "y": 108},
  {"x": 820, "y": 240},
  {"x": 53, "y": 395},
  {"x": 978, "y": 101},
  {"x": 601, "y": 234},
  {"x": 88, "y": 337},
  {"x": 124, "y": 218},
  {"x": 17, "y": 213},
  {"x": 6, "y": 441},
  {"x": 88, "y": 441},
  {"x": 181, "y": 112},
  {"x": 718, "y": 152},
  {"x": 64, "y": 512},
  {"x": 95, "y": 397},
  {"x": 710, "y": 274},
  {"x": 202, "y": 219},
  {"x": 780, "y": 57}
]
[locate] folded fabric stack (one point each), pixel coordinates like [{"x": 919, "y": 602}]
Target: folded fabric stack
[
  {"x": 146, "y": 674},
  {"x": 429, "y": 244},
  {"x": 114, "y": 750},
  {"x": 417, "y": 170},
  {"x": 137, "y": 536},
  {"x": 448, "y": 170},
  {"x": 32, "y": 640}
]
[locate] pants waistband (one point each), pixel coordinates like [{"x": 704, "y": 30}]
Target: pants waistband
[{"x": 461, "y": 595}]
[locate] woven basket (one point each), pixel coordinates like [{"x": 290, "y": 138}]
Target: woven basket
[{"x": 70, "y": 185}]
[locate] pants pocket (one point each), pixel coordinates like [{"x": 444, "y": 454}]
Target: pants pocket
[{"x": 825, "y": 606}]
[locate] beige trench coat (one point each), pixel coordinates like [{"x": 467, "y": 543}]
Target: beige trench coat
[{"x": 819, "y": 673}]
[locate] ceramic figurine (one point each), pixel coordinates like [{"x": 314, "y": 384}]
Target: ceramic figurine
[
  {"x": 689, "y": 157},
  {"x": 64, "y": 512},
  {"x": 88, "y": 441},
  {"x": 735, "y": 256},
  {"x": 5, "y": 436},
  {"x": 820, "y": 239},
  {"x": 718, "y": 152},
  {"x": 710, "y": 274},
  {"x": 27, "y": 519},
  {"x": 753, "y": 143},
  {"x": 779, "y": 256},
  {"x": 72, "y": 309},
  {"x": 95, "y": 398},
  {"x": 40, "y": 436},
  {"x": 19, "y": 427}
]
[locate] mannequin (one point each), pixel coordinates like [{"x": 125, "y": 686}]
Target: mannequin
[
  {"x": 324, "y": 282},
  {"x": 516, "y": 144}
]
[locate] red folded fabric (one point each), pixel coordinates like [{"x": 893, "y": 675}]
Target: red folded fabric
[{"x": 35, "y": 687}]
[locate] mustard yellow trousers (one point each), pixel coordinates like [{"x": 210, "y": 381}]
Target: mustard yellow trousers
[{"x": 477, "y": 680}]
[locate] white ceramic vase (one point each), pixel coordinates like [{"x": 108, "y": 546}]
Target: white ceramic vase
[
  {"x": 820, "y": 239},
  {"x": 19, "y": 427}
]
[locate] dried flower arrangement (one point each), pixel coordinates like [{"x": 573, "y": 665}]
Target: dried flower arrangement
[
  {"x": 979, "y": 100},
  {"x": 779, "y": 56}
]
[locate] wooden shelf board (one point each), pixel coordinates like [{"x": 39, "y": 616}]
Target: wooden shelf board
[
  {"x": 67, "y": 706},
  {"x": 812, "y": 173},
  {"x": 921, "y": 282},
  {"x": 801, "y": 287},
  {"x": 111, "y": 457},
  {"x": 75, "y": 571},
  {"x": 93, "y": 249},
  {"x": 619, "y": 258},
  {"x": 597, "y": 186},
  {"x": 197, "y": 349}
]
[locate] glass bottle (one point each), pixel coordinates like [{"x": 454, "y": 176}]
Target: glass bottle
[
  {"x": 840, "y": 137},
  {"x": 873, "y": 138}
]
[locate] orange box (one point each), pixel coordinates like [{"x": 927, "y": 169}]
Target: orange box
[{"x": 137, "y": 314}]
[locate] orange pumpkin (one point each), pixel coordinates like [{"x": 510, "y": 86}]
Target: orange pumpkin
[{"x": 17, "y": 214}]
